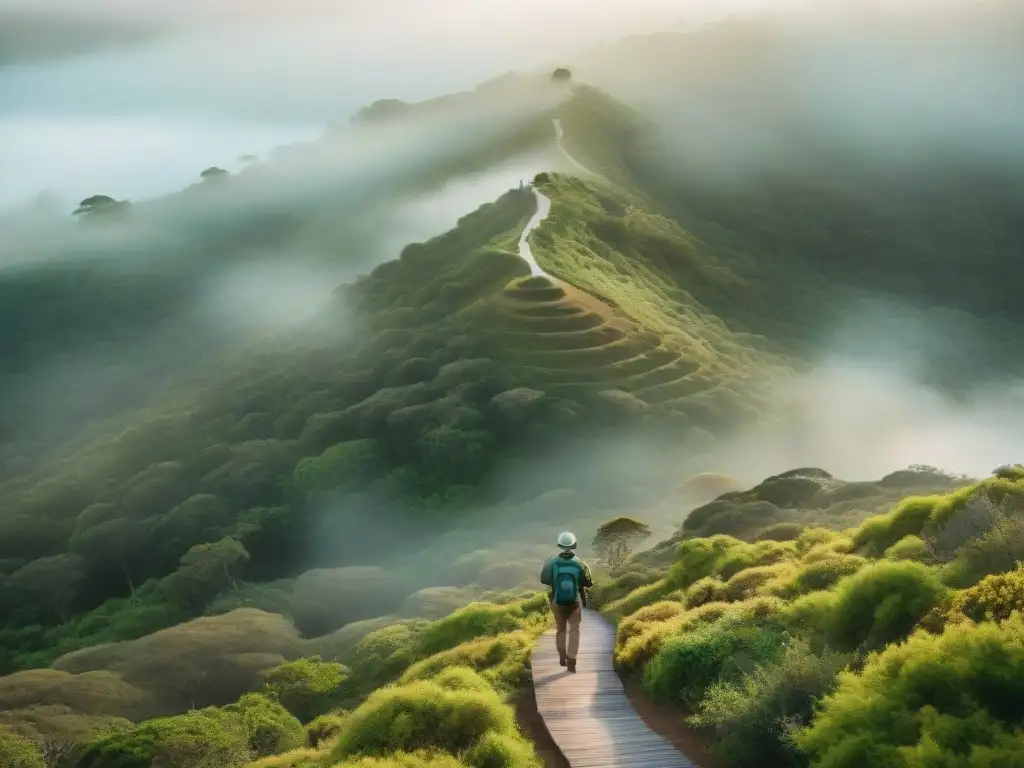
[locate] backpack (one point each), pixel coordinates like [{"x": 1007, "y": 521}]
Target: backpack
[{"x": 565, "y": 578}]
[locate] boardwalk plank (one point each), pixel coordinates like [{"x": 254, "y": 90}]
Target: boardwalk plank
[{"x": 587, "y": 713}]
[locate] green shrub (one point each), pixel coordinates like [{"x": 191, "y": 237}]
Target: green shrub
[
  {"x": 305, "y": 687},
  {"x": 881, "y": 603},
  {"x": 699, "y": 558},
  {"x": 502, "y": 750},
  {"x": 205, "y": 738},
  {"x": 936, "y": 700},
  {"x": 781, "y": 532},
  {"x": 270, "y": 728},
  {"x": 747, "y": 583},
  {"x": 297, "y": 758},
  {"x": 753, "y": 718},
  {"x": 500, "y": 659},
  {"x": 422, "y": 715},
  {"x": 324, "y": 728},
  {"x": 813, "y": 537},
  {"x": 824, "y": 573},
  {"x": 751, "y": 555},
  {"x": 880, "y": 532},
  {"x": 998, "y": 550},
  {"x": 910, "y": 547},
  {"x": 705, "y": 590},
  {"x": 687, "y": 664},
  {"x": 605, "y": 592},
  {"x": 418, "y": 759},
  {"x": 18, "y": 752},
  {"x": 480, "y": 619},
  {"x": 634, "y": 624},
  {"x": 639, "y": 597},
  {"x": 993, "y": 598}
]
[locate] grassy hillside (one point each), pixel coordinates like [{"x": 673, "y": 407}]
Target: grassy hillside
[{"x": 793, "y": 644}]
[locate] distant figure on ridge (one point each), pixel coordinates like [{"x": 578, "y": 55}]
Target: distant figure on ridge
[{"x": 568, "y": 578}]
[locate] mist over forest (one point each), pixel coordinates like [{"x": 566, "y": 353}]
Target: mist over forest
[{"x": 277, "y": 383}]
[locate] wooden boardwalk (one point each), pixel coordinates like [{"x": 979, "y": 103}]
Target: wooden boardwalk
[{"x": 587, "y": 713}]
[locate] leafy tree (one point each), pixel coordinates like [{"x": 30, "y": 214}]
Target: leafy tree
[
  {"x": 213, "y": 173},
  {"x": 305, "y": 687},
  {"x": 101, "y": 206},
  {"x": 155, "y": 489},
  {"x": 561, "y": 75},
  {"x": 18, "y": 752},
  {"x": 615, "y": 539},
  {"x": 200, "y": 518},
  {"x": 272, "y": 536},
  {"x": 207, "y": 569},
  {"x": 452, "y": 456},
  {"x": 54, "y": 580},
  {"x": 343, "y": 465},
  {"x": 100, "y": 539}
]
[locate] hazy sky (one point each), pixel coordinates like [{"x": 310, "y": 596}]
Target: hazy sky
[{"x": 134, "y": 121}]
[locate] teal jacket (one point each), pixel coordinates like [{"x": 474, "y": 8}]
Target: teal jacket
[{"x": 585, "y": 582}]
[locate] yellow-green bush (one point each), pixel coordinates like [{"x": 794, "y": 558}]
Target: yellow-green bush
[
  {"x": 643, "y": 644},
  {"x": 426, "y": 715},
  {"x": 269, "y": 727},
  {"x": 418, "y": 759},
  {"x": 18, "y": 752},
  {"x": 822, "y": 574},
  {"x": 814, "y": 536},
  {"x": 324, "y": 728},
  {"x": 479, "y": 619},
  {"x": 305, "y": 687},
  {"x": 605, "y": 592},
  {"x": 501, "y": 660},
  {"x": 724, "y": 556},
  {"x": 838, "y": 545},
  {"x": 993, "y": 598},
  {"x": 634, "y": 624},
  {"x": 705, "y": 590},
  {"x": 910, "y": 547},
  {"x": 699, "y": 558},
  {"x": 936, "y": 700},
  {"x": 878, "y": 533},
  {"x": 749, "y": 583},
  {"x": 502, "y": 750},
  {"x": 638, "y": 598},
  {"x": 297, "y": 758}
]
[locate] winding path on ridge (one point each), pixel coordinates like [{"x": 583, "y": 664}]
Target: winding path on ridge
[
  {"x": 544, "y": 208},
  {"x": 588, "y": 714}
]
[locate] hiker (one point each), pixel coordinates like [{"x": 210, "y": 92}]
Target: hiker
[{"x": 568, "y": 577}]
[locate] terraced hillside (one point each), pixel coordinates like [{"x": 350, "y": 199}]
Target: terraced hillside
[{"x": 554, "y": 332}]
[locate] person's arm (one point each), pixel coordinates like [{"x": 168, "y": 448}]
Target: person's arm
[
  {"x": 588, "y": 580},
  {"x": 545, "y": 573},
  {"x": 586, "y": 583}
]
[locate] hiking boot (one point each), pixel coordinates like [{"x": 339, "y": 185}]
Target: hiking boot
[
  {"x": 571, "y": 664},
  {"x": 561, "y": 661}
]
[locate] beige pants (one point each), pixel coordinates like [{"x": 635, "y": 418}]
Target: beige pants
[{"x": 567, "y": 623}]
